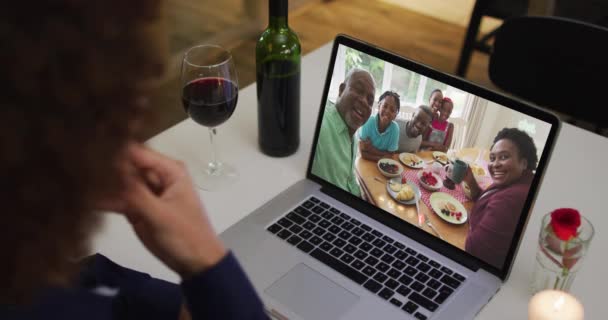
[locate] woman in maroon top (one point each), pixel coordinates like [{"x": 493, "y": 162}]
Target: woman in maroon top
[{"x": 497, "y": 209}]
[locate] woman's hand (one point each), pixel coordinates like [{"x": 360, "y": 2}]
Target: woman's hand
[{"x": 166, "y": 213}]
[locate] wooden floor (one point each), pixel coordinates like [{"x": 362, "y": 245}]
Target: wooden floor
[{"x": 430, "y": 40}]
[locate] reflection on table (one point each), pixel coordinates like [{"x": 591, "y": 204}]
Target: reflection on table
[{"x": 374, "y": 186}]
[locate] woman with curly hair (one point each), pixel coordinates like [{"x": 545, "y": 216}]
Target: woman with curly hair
[
  {"x": 74, "y": 84},
  {"x": 495, "y": 214}
]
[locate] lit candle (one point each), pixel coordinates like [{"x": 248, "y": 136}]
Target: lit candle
[{"x": 554, "y": 305}]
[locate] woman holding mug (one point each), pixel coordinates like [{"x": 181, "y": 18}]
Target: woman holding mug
[{"x": 496, "y": 211}]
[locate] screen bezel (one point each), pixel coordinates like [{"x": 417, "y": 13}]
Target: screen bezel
[{"x": 406, "y": 228}]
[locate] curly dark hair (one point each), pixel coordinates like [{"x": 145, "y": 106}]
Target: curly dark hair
[
  {"x": 524, "y": 143},
  {"x": 74, "y": 72},
  {"x": 393, "y": 94}
]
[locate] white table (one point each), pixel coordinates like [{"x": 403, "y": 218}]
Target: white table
[{"x": 574, "y": 178}]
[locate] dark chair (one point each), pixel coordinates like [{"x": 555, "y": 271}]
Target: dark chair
[
  {"x": 556, "y": 63},
  {"x": 501, "y": 9}
]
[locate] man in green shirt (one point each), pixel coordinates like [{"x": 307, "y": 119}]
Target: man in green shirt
[{"x": 334, "y": 157}]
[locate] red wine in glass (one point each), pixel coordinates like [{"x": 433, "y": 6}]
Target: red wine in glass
[{"x": 210, "y": 101}]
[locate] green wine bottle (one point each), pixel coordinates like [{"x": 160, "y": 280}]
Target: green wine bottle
[{"x": 278, "y": 55}]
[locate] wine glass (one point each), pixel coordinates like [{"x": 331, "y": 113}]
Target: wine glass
[{"x": 209, "y": 95}]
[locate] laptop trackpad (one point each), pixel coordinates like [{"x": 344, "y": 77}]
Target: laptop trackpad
[{"x": 311, "y": 295}]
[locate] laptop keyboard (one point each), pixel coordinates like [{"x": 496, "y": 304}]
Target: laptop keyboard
[{"x": 407, "y": 279}]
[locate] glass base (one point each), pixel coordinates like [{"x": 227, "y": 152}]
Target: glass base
[{"x": 217, "y": 176}]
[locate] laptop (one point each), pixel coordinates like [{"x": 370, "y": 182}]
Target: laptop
[{"x": 324, "y": 250}]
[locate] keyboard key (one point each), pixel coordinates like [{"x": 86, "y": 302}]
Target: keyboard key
[
  {"x": 398, "y": 265},
  {"x": 305, "y": 234},
  {"x": 411, "y": 251},
  {"x": 274, "y": 228},
  {"x": 355, "y": 222},
  {"x": 419, "y": 316},
  {"x": 410, "y": 307},
  {"x": 324, "y": 223},
  {"x": 347, "y": 226},
  {"x": 347, "y": 258},
  {"x": 377, "y": 233},
  {"x": 417, "y": 286},
  {"x": 422, "y": 277},
  {"x": 371, "y": 261},
  {"x": 392, "y": 283},
  {"x": 447, "y": 270},
  {"x": 423, "y": 302},
  {"x": 284, "y": 234},
  {"x": 396, "y": 302},
  {"x": 369, "y": 271},
  {"x": 423, "y": 267},
  {"x": 283, "y": 222},
  {"x": 334, "y": 229},
  {"x": 400, "y": 255},
  {"x": 434, "y": 264},
  {"x": 339, "y": 266},
  {"x": 334, "y": 210},
  {"x": 355, "y": 241},
  {"x": 326, "y": 246},
  {"x": 358, "y": 264},
  {"x": 387, "y": 258},
  {"x": 404, "y": 291},
  {"x": 379, "y": 243},
  {"x": 435, "y": 273},
  {"x": 319, "y": 231},
  {"x": 422, "y": 257},
  {"x": 308, "y": 225},
  {"x": 368, "y": 237},
  {"x": 393, "y": 273},
  {"x": 344, "y": 216},
  {"x": 434, "y": 284},
  {"x": 376, "y": 253},
  {"x": 315, "y": 200},
  {"x": 327, "y": 215},
  {"x": 317, "y": 209},
  {"x": 386, "y": 293},
  {"x": 410, "y": 271},
  {"x": 361, "y": 254},
  {"x": 308, "y": 204},
  {"x": 390, "y": 249},
  {"x": 344, "y": 235},
  {"x": 329, "y": 237},
  {"x": 429, "y": 293},
  {"x": 447, "y": 290},
  {"x": 323, "y": 205},
  {"x": 314, "y": 218},
  {"x": 336, "y": 252},
  {"x": 383, "y": 267},
  {"x": 399, "y": 245},
  {"x": 337, "y": 220},
  {"x": 295, "y": 228},
  {"x": 458, "y": 277},
  {"x": 339, "y": 243},
  {"x": 350, "y": 248},
  {"x": 365, "y": 246},
  {"x": 305, "y": 246},
  {"x": 405, "y": 280},
  {"x": 316, "y": 240},
  {"x": 372, "y": 286},
  {"x": 357, "y": 231},
  {"x": 294, "y": 240},
  {"x": 441, "y": 298},
  {"x": 388, "y": 239},
  {"x": 450, "y": 281},
  {"x": 380, "y": 277},
  {"x": 303, "y": 212},
  {"x": 295, "y": 218},
  {"x": 366, "y": 227},
  {"x": 412, "y": 261}
]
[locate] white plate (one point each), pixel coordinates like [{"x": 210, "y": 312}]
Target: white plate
[
  {"x": 393, "y": 194},
  {"x": 429, "y": 187},
  {"x": 411, "y": 160},
  {"x": 438, "y": 200},
  {"x": 388, "y": 174},
  {"x": 441, "y": 157}
]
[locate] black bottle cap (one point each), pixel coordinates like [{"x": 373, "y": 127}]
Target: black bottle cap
[{"x": 278, "y": 8}]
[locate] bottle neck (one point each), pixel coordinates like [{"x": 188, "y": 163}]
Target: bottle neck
[{"x": 277, "y": 14}]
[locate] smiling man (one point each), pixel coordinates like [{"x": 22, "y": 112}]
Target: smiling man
[
  {"x": 412, "y": 130},
  {"x": 334, "y": 157}
]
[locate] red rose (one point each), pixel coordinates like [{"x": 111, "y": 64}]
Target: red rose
[{"x": 565, "y": 222}]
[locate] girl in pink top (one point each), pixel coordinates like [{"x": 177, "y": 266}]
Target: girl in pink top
[{"x": 438, "y": 136}]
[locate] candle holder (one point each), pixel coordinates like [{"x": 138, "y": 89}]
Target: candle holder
[
  {"x": 563, "y": 243},
  {"x": 555, "y": 305}
]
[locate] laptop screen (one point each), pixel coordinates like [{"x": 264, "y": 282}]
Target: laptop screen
[{"x": 439, "y": 157}]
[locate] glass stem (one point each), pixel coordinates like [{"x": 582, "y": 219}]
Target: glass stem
[{"x": 214, "y": 165}]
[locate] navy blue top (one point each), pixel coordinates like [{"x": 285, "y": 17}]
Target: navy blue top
[{"x": 106, "y": 291}]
